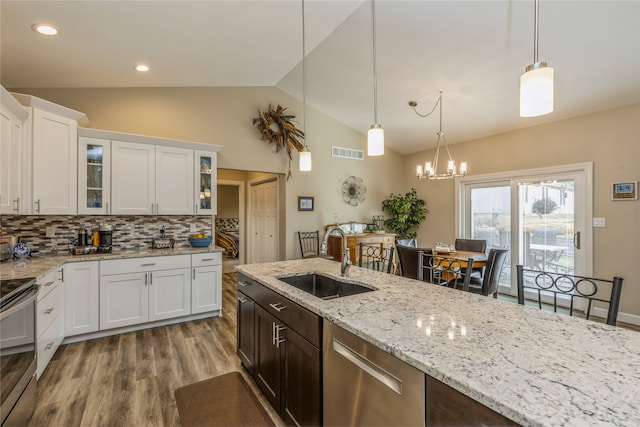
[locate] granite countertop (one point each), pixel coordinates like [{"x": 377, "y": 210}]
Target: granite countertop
[
  {"x": 38, "y": 266},
  {"x": 535, "y": 367}
]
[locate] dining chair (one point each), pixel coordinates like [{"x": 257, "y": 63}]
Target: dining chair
[
  {"x": 472, "y": 245},
  {"x": 444, "y": 270},
  {"x": 376, "y": 257},
  {"x": 579, "y": 292},
  {"x": 488, "y": 284},
  {"x": 309, "y": 243},
  {"x": 413, "y": 242},
  {"x": 408, "y": 259}
]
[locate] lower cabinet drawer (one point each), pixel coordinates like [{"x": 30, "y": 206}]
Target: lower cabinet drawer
[
  {"x": 48, "y": 342},
  {"x": 136, "y": 265},
  {"x": 48, "y": 308},
  {"x": 203, "y": 260}
]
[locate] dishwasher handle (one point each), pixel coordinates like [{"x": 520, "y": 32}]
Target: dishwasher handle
[{"x": 367, "y": 366}]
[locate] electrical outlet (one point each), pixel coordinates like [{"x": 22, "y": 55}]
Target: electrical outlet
[
  {"x": 192, "y": 228},
  {"x": 50, "y": 232},
  {"x": 599, "y": 222}
]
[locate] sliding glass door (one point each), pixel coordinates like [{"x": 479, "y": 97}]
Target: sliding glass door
[{"x": 540, "y": 215}]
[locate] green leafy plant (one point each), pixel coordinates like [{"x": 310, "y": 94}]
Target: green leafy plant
[{"x": 406, "y": 212}]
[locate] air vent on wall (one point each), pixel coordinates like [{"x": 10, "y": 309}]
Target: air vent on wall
[{"x": 347, "y": 153}]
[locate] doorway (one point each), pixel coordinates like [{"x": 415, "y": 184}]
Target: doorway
[{"x": 229, "y": 223}]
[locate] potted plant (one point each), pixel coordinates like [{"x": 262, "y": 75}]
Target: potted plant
[{"x": 406, "y": 212}]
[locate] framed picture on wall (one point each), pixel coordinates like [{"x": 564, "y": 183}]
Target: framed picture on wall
[
  {"x": 624, "y": 190},
  {"x": 305, "y": 203}
]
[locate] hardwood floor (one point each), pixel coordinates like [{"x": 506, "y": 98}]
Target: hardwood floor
[{"x": 129, "y": 379}]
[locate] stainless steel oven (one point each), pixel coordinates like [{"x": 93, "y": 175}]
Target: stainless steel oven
[{"x": 17, "y": 351}]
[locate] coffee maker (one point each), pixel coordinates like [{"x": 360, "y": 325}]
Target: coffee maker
[{"x": 106, "y": 235}]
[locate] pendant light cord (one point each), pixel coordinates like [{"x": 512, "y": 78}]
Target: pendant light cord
[
  {"x": 536, "y": 15},
  {"x": 375, "y": 74},
  {"x": 304, "y": 95}
]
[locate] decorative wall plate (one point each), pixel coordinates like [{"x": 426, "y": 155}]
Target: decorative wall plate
[
  {"x": 21, "y": 250},
  {"x": 353, "y": 191}
]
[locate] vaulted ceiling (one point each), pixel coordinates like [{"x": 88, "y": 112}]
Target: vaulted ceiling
[{"x": 474, "y": 51}]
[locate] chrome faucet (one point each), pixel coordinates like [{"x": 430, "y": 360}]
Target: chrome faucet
[{"x": 346, "y": 256}]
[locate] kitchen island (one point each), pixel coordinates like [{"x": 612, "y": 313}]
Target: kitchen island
[{"x": 536, "y": 368}]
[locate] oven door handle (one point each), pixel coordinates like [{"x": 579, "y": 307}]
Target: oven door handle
[{"x": 29, "y": 298}]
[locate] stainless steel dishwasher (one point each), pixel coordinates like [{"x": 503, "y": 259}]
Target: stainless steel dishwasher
[{"x": 365, "y": 386}]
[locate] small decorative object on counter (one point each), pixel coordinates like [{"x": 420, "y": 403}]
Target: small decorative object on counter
[
  {"x": 199, "y": 240},
  {"x": 163, "y": 242}
]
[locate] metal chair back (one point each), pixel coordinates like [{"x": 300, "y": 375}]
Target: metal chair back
[
  {"x": 309, "y": 243},
  {"x": 552, "y": 287},
  {"x": 376, "y": 257},
  {"x": 445, "y": 270}
]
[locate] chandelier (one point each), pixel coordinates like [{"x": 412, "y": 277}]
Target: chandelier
[{"x": 431, "y": 168}]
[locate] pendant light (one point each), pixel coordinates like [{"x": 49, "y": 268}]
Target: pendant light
[
  {"x": 305, "y": 156},
  {"x": 375, "y": 136},
  {"x": 536, "y": 84},
  {"x": 431, "y": 168}
]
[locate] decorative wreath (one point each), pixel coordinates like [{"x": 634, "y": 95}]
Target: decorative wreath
[
  {"x": 276, "y": 126},
  {"x": 353, "y": 191}
]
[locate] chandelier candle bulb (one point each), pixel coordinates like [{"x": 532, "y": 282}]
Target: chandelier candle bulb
[
  {"x": 463, "y": 168},
  {"x": 418, "y": 170}
]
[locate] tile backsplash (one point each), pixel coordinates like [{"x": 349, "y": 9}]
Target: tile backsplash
[{"x": 129, "y": 232}]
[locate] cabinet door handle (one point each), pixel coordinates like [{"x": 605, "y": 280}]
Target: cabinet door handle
[
  {"x": 38, "y": 204},
  {"x": 242, "y": 299},
  {"x": 148, "y": 264},
  {"x": 277, "y": 306},
  {"x": 48, "y": 346},
  {"x": 206, "y": 259},
  {"x": 107, "y": 204},
  {"x": 146, "y": 278},
  {"x": 61, "y": 271},
  {"x": 17, "y": 202},
  {"x": 243, "y": 284},
  {"x": 48, "y": 311},
  {"x": 150, "y": 279},
  {"x": 279, "y": 338},
  {"x": 273, "y": 333},
  {"x": 48, "y": 284},
  {"x": 194, "y": 274}
]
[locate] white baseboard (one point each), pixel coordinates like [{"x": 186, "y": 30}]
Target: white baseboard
[{"x": 632, "y": 319}]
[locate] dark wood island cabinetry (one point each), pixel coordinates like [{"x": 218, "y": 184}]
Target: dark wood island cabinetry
[{"x": 279, "y": 343}]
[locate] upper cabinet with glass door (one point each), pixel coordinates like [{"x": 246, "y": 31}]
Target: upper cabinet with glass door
[
  {"x": 94, "y": 175},
  {"x": 206, "y": 177}
]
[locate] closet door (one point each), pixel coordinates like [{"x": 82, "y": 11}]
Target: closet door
[{"x": 264, "y": 222}]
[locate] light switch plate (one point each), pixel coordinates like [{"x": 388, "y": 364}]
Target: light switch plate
[
  {"x": 192, "y": 228},
  {"x": 599, "y": 222},
  {"x": 50, "y": 232}
]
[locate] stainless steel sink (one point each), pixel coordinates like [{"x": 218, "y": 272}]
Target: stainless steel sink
[{"x": 325, "y": 287}]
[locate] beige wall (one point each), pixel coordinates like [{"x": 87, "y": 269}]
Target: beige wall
[
  {"x": 224, "y": 116},
  {"x": 609, "y": 139},
  {"x": 228, "y": 202}
]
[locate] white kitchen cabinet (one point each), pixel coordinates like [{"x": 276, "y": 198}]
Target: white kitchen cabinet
[
  {"x": 12, "y": 119},
  {"x": 94, "y": 175},
  {"x": 206, "y": 282},
  {"x": 205, "y": 182},
  {"x": 133, "y": 170},
  {"x": 169, "y": 293},
  {"x": 81, "y": 295},
  {"x": 150, "y": 180},
  {"x": 49, "y": 317},
  {"x": 140, "y": 290},
  {"x": 124, "y": 300},
  {"x": 53, "y": 155},
  {"x": 174, "y": 183}
]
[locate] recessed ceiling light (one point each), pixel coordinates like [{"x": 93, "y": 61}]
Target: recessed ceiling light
[
  {"x": 44, "y": 29},
  {"x": 142, "y": 68}
]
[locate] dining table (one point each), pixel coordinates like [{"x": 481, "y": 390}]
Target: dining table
[{"x": 444, "y": 262}]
